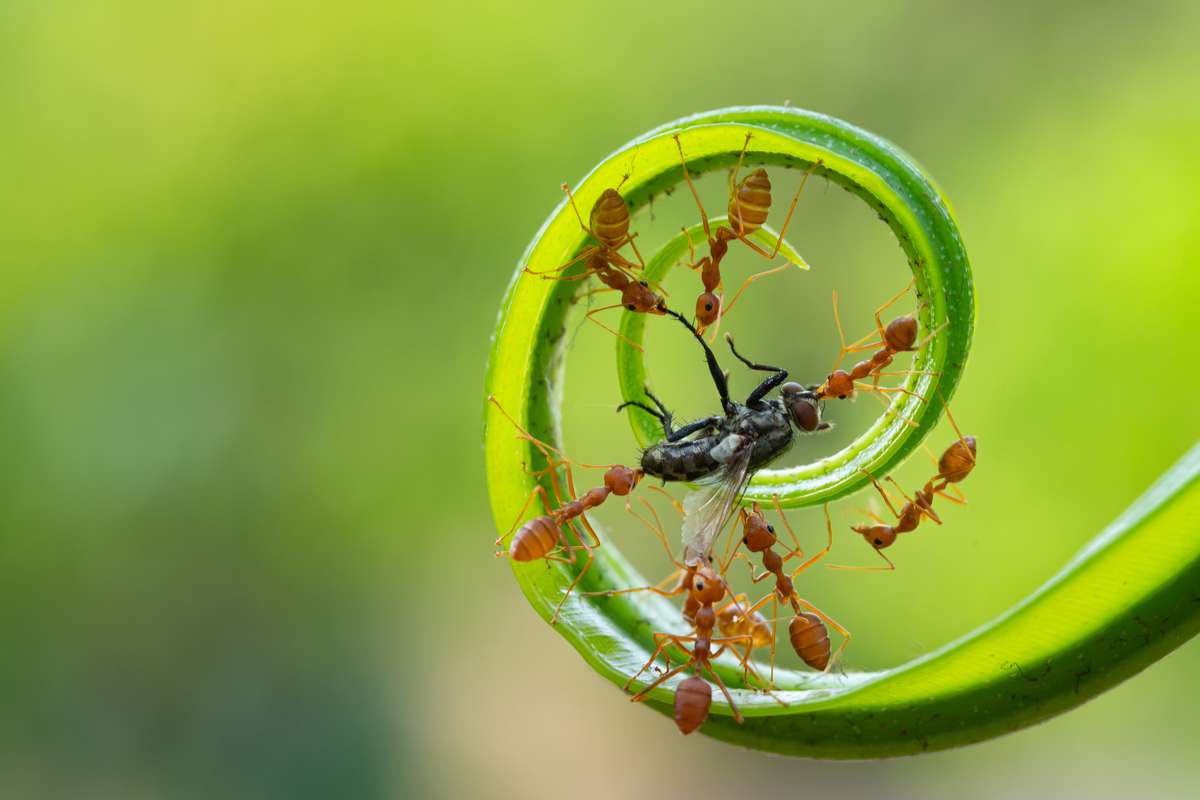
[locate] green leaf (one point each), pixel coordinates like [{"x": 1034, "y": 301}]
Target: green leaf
[{"x": 1125, "y": 601}]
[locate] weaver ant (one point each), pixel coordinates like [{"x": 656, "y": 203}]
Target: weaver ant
[
  {"x": 807, "y": 631},
  {"x": 693, "y": 696},
  {"x": 898, "y": 336},
  {"x": 543, "y": 537},
  {"x": 955, "y": 464},
  {"x": 610, "y": 222},
  {"x": 749, "y": 204}
]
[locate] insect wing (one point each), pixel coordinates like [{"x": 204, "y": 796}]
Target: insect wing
[{"x": 709, "y": 508}]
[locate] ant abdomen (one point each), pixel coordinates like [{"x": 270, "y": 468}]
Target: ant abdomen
[
  {"x": 693, "y": 698},
  {"x": 534, "y": 539},
  {"x": 749, "y": 205},
  {"x": 810, "y": 639},
  {"x": 610, "y": 218},
  {"x": 901, "y": 333},
  {"x": 958, "y": 460}
]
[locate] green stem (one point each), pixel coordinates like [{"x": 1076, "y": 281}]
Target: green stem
[{"x": 1068, "y": 642}]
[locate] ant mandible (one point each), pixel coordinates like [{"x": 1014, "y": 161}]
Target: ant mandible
[{"x": 749, "y": 204}]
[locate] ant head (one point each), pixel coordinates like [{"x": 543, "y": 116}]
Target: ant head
[
  {"x": 958, "y": 460},
  {"x": 707, "y": 586},
  {"x": 839, "y": 384},
  {"x": 621, "y": 480},
  {"x": 878, "y": 536},
  {"x": 901, "y": 333},
  {"x": 708, "y": 308},
  {"x": 802, "y": 406},
  {"x": 637, "y": 296},
  {"x": 757, "y": 535}
]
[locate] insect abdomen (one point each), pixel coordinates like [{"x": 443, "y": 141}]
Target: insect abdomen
[
  {"x": 534, "y": 540},
  {"x": 610, "y": 218},
  {"x": 810, "y": 640},
  {"x": 680, "y": 461},
  {"x": 692, "y": 700},
  {"x": 750, "y": 203}
]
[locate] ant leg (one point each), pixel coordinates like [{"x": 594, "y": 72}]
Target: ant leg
[
  {"x": 566, "y": 187},
  {"x": 695, "y": 194},
  {"x": 662, "y": 640},
  {"x": 737, "y": 715},
  {"x": 725, "y": 308},
  {"x": 879, "y": 311},
  {"x": 579, "y": 577},
  {"x": 737, "y": 169},
  {"x": 824, "y": 551},
  {"x": 954, "y": 424},
  {"x": 866, "y": 387},
  {"x": 539, "y": 489},
  {"x": 957, "y": 498},
  {"x": 666, "y": 676},
  {"x": 524, "y": 434},
  {"x": 845, "y": 633},
  {"x": 733, "y": 542},
  {"x": 883, "y": 493},
  {"x": 788, "y": 525},
  {"x": 656, "y": 528},
  {"x": 678, "y": 505},
  {"x": 929, "y": 336},
  {"x": 591, "y": 315},
  {"x": 588, "y": 253},
  {"x": 887, "y": 410},
  {"x": 890, "y": 566},
  {"x": 896, "y": 485},
  {"x": 792, "y": 210}
]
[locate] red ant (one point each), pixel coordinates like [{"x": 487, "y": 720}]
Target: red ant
[
  {"x": 955, "y": 464},
  {"x": 749, "y": 204},
  {"x": 899, "y": 336},
  {"x": 693, "y": 696},
  {"x": 705, "y": 588},
  {"x": 610, "y": 220},
  {"x": 543, "y": 537},
  {"x": 806, "y": 631}
]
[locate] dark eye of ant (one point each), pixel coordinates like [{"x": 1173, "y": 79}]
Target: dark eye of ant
[
  {"x": 631, "y": 307},
  {"x": 770, "y": 529},
  {"x": 878, "y": 542},
  {"x": 745, "y": 540},
  {"x": 699, "y": 586},
  {"x": 643, "y": 283},
  {"x": 841, "y": 397}
]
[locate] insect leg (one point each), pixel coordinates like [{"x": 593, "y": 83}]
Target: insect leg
[{"x": 714, "y": 369}]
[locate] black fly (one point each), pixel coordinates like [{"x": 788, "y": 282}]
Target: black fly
[{"x": 725, "y": 450}]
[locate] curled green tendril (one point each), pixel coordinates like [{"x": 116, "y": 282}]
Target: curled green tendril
[{"x": 1126, "y": 600}]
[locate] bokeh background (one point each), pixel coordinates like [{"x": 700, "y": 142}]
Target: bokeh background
[{"x": 252, "y": 256}]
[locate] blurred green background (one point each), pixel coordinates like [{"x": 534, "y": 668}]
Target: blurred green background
[{"x": 253, "y": 254}]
